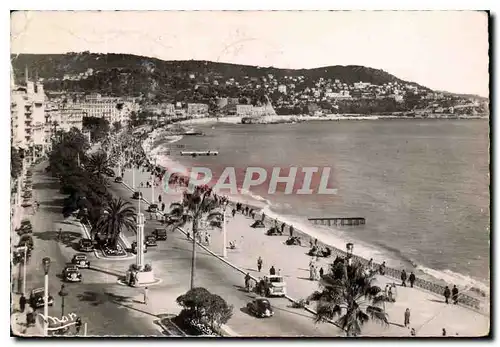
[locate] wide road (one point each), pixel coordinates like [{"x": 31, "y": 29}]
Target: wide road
[
  {"x": 171, "y": 262},
  {"x": 92, "y": 299}
]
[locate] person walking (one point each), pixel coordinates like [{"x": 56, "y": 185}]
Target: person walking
[
  {"x": 259, "y": 263},
  {"x": 412, "y": 279},
  {"x": 159, "y": 198},
  {"x": 321, "y": 272},
  {"x": 233, "y": 212},
  {"x": 403, "y": 278},
  {"x": 145, "y": 295},
  {"x": 291, "y": 230},
  {"x": 282, "y": 228},
  {"x": 454, "y": 294},
  {"x": 263, "y": 217},
  {"x": 370, "y": 264},
  {"x": 446, "y": 294},
  {"x": 272, "y": 270},
  {"x": 22, "y": 303},
  {"x": 162, "y": 207},
  {"x": 407, "y": 318},
  {"x": 59, "y": 236},
  {"x": 443, "y": 333}
]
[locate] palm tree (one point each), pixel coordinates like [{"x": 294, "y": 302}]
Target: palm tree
[
  {"x": 118, "y": 214},
  {"x": 98, "y": 163},
  {"x": 193, "y": 208},
  {"x": 348, "y": 293}
]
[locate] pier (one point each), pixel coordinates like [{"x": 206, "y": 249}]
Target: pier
[
  {"x": 338, "y": 221},
  {"x": 199, "y": 153}
]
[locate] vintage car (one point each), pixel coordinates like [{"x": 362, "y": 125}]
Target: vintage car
[
  {"x": 86, "y": 245},
  {"x": 118, "y": 179},
  {"x": 275, "y": 285},
  {"x": 160, "y": 234},
  {"x": 36, "y": 299},
  {"x": 150, "y": 241},
  {"x": 80, "y": 260},
  {"x": 71, "y": 273},
  {"x": 260, "y": 307},
  {"x": 134, "y": 247},
  {"x": 26, "y": 240},
  {"x": 137, "y": 195},
  {"x": 26, "y": 203},
  {"x": 153, "y": 208}
]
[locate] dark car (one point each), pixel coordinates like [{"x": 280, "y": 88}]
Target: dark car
[
  {"x": 81, "y": 261},
  {"x": 137, "y": 195},
  {"x": 71, "y": 273},
  {"x": 260, "y": 307},
  {"x": 36, "y": 299},
  {"x": 151, "y": 241},
  {"x": 119, "y": 179},
  {"x": 160, "y": 234},
  {"x": 134, "y": 247},
  {"x": 153, "y": 208},
  {"x": 86, "y": 245}
]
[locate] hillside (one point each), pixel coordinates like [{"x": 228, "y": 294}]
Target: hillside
[{"x": 125, "y": 74}]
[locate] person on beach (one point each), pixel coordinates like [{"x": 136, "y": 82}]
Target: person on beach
[
  {"x": 272, "y": 270},
  {"x": 60, "y": 234},
  {"x": 413, "y": 332},
  {"x": 159, "y": 198},
  {"x": 291, "y": 230},
  {"x": 263, "y": 217},
  {"x": 407, "y": 318},
  {"x": 443, "y": 333},
  {"x": 370, "y": 264},
  {"x": 454, "y": 294},
  {"x": 259, "y": 263},
  {"x": 316, "y": 242},
  {"x": 321, "y": 272},
  {"x": 233, "y": 212},
  {"x": 279, "y": 272},
  {"x": 446, "y": 294},
  {"x": 403, "y": 278},
  {"x": 162, "y": 206},
  {"x": 412, "y": 279},
  {"x": 247, "y": 282},
  {"x": 381, "y": 269}
]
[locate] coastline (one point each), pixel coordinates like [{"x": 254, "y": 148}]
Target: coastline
[
  {"x": 279, "y": 119},
  {"x": 429, "y": 281}
]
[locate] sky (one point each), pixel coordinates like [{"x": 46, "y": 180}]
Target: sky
[{"x": 440, "y": 50}]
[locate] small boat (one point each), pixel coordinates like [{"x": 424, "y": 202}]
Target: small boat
[{"x": 193, "y": 133}]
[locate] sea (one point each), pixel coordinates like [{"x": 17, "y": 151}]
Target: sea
[{"x": 423, "y": 186}]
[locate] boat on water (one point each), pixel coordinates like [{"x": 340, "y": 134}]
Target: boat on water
[{"x": 199, "y": 153}]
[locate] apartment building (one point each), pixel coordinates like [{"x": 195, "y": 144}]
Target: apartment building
[{"x": 197, "y": 109}]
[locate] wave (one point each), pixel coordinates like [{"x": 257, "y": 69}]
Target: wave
[{"x": 327, "y": 235}]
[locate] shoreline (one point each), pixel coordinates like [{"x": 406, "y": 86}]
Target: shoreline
[
  {"x": 284, "y": 119},
  {"x": 311, "y": 232}
]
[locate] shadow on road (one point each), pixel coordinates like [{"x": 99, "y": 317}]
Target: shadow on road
[
  {"x": 91, "y": 297},
  {"x": 440, "y": 301},
  {"x": 295, "y": 312},
  {"x": 304, "y": 278},
  {"x": 46, "y": 185},
  {"x": 245, "y": 311},
  {"x": 54, "y": 202},
  {"x": 68, "y": 238},
  {"x": 107, "y": 271}
]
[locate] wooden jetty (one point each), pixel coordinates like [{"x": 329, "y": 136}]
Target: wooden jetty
[
  {"x": 199, "y": 153},
  {"x": 338, "y": 221}
]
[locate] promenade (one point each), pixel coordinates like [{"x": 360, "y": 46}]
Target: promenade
[{"x": 429, "y": 313}]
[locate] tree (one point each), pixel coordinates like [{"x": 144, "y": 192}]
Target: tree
[
  {"x": 348, "y": 293},
  {"x": 16, "y": 163},
  {"x": 118, "y": 214},
  {"x": 201, "y": 306},
  {"x": 98, "y": 127},
  {"x": 117, "y": 126},
  {"x": 98, "y": 164},
  {"x": 193, "y": 208}
]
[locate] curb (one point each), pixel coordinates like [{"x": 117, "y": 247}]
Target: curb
[{"x": 169, "y": 331}]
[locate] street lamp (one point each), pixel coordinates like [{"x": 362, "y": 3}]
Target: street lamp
[
  {"x": 62, "y": 293},
  {"x": 46, "y": 268}
]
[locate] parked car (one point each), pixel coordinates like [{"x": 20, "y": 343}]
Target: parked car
[
  {"x": 275, "y": 285},
  {"x": 81, "y": 261},
  {"x": 151, "y": 241},
  {"x": 110, "y": 173},
  {"x": 137, "y": 195},
  {"x": 153, "y": 208},
  {"x": 86, "y": 245},
  {"x": 119, "y": 179},
  {"x": 26, "y": 240},
  {"x": 26, "y": 203},
  {"x": 160, "y": 234},
  {"x": 260, "y": 307},
  {"x": 36, "y": 299},
  {"x": 71, "y": 273}
]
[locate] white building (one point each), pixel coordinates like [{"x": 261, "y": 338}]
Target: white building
[{"x": 282, "y": 88}]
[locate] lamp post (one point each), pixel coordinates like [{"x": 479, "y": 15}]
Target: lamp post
[
  {"x": 224, "y": 232},
  {"x": 140, "y": 240},
  {"x": 46, "y": 268},
  {"x": 62, "y": 293},
  {"x": 25, "y": 249}
]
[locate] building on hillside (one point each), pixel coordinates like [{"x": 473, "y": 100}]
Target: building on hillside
[
  {"x": 244, "y": 110},
  {"x": 222, "y": 102},
  {"x": 282, "y": 89},
  {"x": 361, "y": 85},
  {"x": 197, "y": 109}
]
